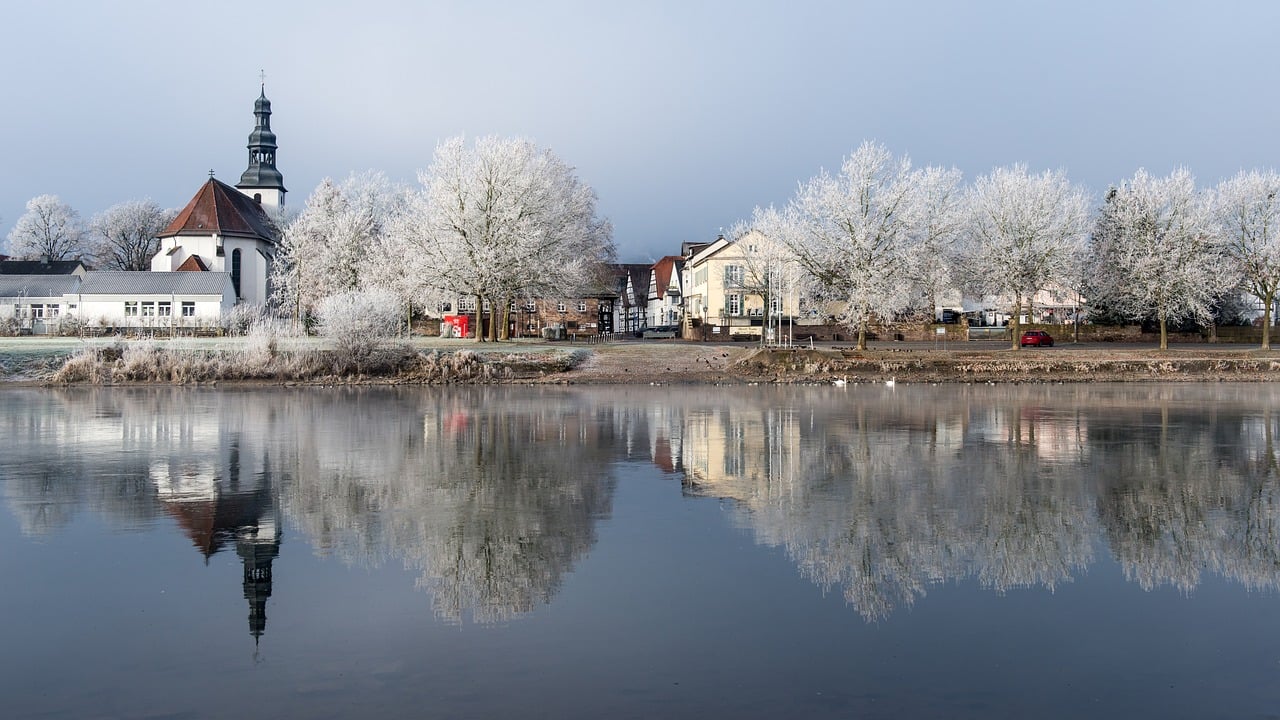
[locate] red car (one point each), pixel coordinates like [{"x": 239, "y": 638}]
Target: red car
[{"x": 1039, "y": 338}]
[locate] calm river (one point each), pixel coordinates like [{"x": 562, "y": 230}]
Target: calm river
[{"x": 708, "y": 552}]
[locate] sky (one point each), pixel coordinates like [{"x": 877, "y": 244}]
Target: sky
[{"x": 683, "y": 116}]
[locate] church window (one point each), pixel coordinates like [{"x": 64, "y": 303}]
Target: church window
[{"x": 235, "y": 271}]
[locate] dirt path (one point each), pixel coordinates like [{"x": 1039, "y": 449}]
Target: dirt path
[{"x": 656, "y": 361}]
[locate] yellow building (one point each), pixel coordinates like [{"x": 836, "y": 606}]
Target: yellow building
[{"x": 729, "y": 283}]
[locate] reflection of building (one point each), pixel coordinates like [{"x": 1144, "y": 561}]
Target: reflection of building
[{"x": 224, "y": 503}]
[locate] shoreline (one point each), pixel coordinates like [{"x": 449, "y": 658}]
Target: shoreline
[{"x": 692, "y": 363}]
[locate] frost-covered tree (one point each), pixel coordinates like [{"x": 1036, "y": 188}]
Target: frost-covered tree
[
  {"x": 1024, "y": 232},
  {"x": 49, "y": 229},
  {"x": 1248, "y": 215},
  {"x": 338, "y": 242},
  {"x": 124, "y": 236},
  {"x": 770, "y": 269},
  {"x": 854, "y": 234},
  {"x": 1165, "y": 257},
  {"x": 502, "y": 220},
  {"x": 940, "y": 218}
]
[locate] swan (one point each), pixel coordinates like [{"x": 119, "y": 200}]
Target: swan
[
  {"x": 891, "y": 382},
  {"x": 839, "y": 382}
]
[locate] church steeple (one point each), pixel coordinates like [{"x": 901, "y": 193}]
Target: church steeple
[{"x": 261, "y": 180}]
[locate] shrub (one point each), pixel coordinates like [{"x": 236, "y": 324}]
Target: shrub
[
  {"x": 357, "y": 323},
  {"x": 243, "y": 317}
]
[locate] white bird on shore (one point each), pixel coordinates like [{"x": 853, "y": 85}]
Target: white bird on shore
[
  {"x": 839, "y": 382},
  {"x": 891, "y": 381}
]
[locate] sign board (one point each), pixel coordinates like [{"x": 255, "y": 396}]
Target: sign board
[{"x": 940, "y": 331}]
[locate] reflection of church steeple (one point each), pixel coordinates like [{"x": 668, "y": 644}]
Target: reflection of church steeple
[
  {"x": 257, "y": 547},
  {"x": 218, "y": 506}
]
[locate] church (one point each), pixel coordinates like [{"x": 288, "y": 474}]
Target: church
[
  {"x": 217, "y": 253},
  {"x": 228, "y": 229}
]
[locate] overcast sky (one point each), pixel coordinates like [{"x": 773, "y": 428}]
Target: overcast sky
[{"x": 682, "y": 115}]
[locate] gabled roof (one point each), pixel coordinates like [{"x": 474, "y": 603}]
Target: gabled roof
[
  {"x": 40, "y": 267},
  {"x": 192, "y": 264},
  {"x": 663, "y": 270},
  {"x": 222, "y": 209},
  {"x": 124, "y": 282},
  {"x": 634, "y": 272},
  {"x": 710, "y": 250},
  {"x": 37, "y": 286}
]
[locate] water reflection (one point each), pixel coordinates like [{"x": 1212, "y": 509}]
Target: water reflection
[
  {"x": 883, "y": 494},
  {"x": 494, "y": 495}
]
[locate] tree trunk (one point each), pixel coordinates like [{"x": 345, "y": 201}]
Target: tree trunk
[
  {"x": 862, "y": 336},
  {"x": 1164, "y": 333},
  {"x": 1015, "y": 322},
  {"x": 479, "y": 317},
  {"x": 1266, "y": 319},
  {"x": 505, "y": 333}
]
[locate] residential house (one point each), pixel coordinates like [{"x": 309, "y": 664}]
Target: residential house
[
  {"x": 665, "y": 300},
  {"x": 726, "y": 283}
]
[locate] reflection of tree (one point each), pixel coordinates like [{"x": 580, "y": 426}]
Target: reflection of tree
[
  {"x": 883, "y": 494},
  {"x": 1193, "y": 489},
  {"x": 493, "y": 498},
  {"x": 61, "y": 458}
]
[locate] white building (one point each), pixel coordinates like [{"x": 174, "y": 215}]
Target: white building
[
  {"x": 111, "y": 300},
  {"x": 226, "y": 229}
]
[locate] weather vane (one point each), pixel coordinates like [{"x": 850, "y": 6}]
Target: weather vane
[{"x": 262, "y": 76}]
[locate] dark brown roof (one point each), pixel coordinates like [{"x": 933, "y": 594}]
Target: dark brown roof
[
  {"x": 40, "y": 267},
  {"x": 192, "y": 264},
  {"x": 222, "y": 209},
  {"x": 640, "y": 286}
]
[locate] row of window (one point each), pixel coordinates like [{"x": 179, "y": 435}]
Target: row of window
[
  {"x": 469, "y": 306},
  {"x": 154, "y": 308},
  {"x": 38, "y": 310}
]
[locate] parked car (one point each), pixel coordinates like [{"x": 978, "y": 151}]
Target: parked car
[
  {"x": 662, "y": 331},
  {"x": 1039, "y": 338}
]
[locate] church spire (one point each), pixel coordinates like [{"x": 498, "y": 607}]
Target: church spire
[{"x": 261, "y": 180}]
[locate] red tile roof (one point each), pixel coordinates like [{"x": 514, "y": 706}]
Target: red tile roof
[
  {"x": 222, "y": 209},
  {"x": 663, "y": 269},
  {"x": 192, "y": 264}
]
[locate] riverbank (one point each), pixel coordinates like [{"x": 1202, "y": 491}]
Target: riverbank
[
  {"x": 442, "y": 361},
  {"x": 693, "y": 363},
  {"x": 436, "y": 361}
]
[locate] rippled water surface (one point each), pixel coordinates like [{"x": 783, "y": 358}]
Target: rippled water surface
[{"x": 951, "y": 552}]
